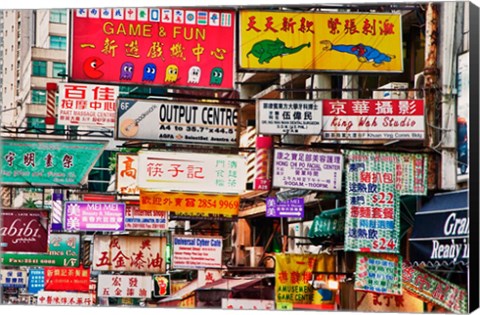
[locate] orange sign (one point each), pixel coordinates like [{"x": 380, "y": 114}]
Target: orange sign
[{"x": 196, "y": 204}]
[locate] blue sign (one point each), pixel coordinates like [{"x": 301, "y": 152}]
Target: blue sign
[
  {"x": 36, "y": 280},
  {"x": 292, "y": 208}
]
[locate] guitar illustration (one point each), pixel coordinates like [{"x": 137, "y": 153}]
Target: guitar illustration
[{"x": 129, "y": 127}]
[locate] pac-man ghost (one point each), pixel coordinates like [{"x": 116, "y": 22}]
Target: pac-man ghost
[
  {"x": 171, "y": 74},
  {"x": 126, "y": 71},
  {"x": 149, "y": 72},
  {"x": 216, "y": 76},
  {"x": 194, "y": 74}
]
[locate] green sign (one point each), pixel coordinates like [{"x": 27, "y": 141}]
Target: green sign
[
  {"x": 379, "y": 273},
  {"x": 47, "y": 163},
  {"x": 329, "y": 223},
  {"x": 63, "y": 251}
]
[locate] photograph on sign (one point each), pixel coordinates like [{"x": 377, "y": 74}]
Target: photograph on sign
[
  {"x": 196, "y": 252},
  {"x": 94, "y": 216},
  {"x": 24, "y": 230},
  {"x": 307, "y": 170},
  {"x": 292, "y": 117},
  {"x": 191, "y": 172},
  {"x": 129, "y": 253},
  {"x": 153, "y": 46},
  {"x": 181, "y": 122},
  {"x": 87, "y": 105},
  {"x": 373, "y": 119},
  {"x": 327, "y": 41}
]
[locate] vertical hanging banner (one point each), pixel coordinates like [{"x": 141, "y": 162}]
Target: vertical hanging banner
[
  {"x": 51, "y": 91},
  {"x": 87, "y": 105},
  {"x": 191, "y": 172},
  {"x": 299, "y": 41},
  {"x": 373, "y": 204},
  {"x": 380, "y": 273},
  {"x": 47, "y": 163},
  {"x": 57, "y": 211},
  {"x": 263, "y": 146},
  {"x": 182, "y": 47}
]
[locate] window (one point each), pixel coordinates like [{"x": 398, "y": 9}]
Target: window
[
  {"x": 39, "y": 124},
  {"x": 39, "y": 68},
  {"x": 58, "y": 67},
  {"x": 58, "y": 42},
  {"x": 58, "y": 16},
  {"x": 39, "y": 97}
]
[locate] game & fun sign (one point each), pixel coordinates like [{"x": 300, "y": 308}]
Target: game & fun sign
[
  {"x": 94, "y": 216},
  {"x": 373, "y": 119},
  {"x": 177, "y": 122},
  {"x": 129, "y": 253},
  {"x": 191, "y": 172},
  {"x": 47, "y": 163},
  {"x": 190, "y": 252},
  {"x": 181, "y": 47},
  {"x": 307, "y": 170},
  {"x": 87, "y": 105},
  {"x": 328, "y": 41}
]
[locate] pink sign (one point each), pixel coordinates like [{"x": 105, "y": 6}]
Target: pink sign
[
  {"x": 94, "y": 216},
  {"x": 153, "y": 46},
  {"x": 373, "y": 119}
]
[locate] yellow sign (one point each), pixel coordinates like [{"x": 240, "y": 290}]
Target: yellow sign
[
  {"x": 196, "y": 204},
  {"x": 293, "y": 275},
  {"x": 350, "y": 42}
]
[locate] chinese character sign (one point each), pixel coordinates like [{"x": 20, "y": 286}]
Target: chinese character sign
[
  {"x": 87, "y": 105},
  {"x": 124, "y": 286},
  {"x": 376, "y": 302},
  {"x": 293, "y": 274},
  {"x": 94, "y": 216},
  {"x": 36, "y": 280},
  {"x": 13, "y": 278},
  {"x": 126, "y": 176},
  {"x": 353, "y": 42},
  {"x": 307, "y": 170},
  {"x": 292, "y": 208},
  {"x": 191, "y": 172},
  {"x": 129, "y": 253},
  {"x": 373, "y": 205},
  {"x": 373, "y": 119},
  {"x": 292, "y": 117},
  {"x": 380, "y": 273},
  {"x": 67, "y": 279},
  {"x": 153, "y": 46},
  {"x": 65, "y": 298},
  {"x": 47, "y": 163}
]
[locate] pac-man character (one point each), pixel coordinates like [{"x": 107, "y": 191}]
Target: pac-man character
[
  {"x": 362, "y": 52},
  {"x": 91, "y": 67},
  {"x": 126, "y": 71},
  {"x": 194, "y": 74},
  {"x": 149, "y": 72},
  {"x": 216, "y": 76},
  {"x": 171, "y": 74}
]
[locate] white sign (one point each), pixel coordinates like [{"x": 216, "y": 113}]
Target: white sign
[
  {"x": 176, "y": 122},
  {"x": 192, "y": 172},
  {"x": 126, "y": 176},
  {"x": 13, "y": 278},
  {"x": 136, "y": 219},
  {"x": 247, "y": 304},
  {"x": 307, "y": 170},
  {"x": 65, "y": 298},
  {"x": 87, "y": 104},
  {"x": 293, "y": 117},
  {"x": 190, "y": 252},
  {"x": 124, "y": 286}
]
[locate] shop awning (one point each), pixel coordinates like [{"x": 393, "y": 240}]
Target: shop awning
[{"x": 440, "y": 233}]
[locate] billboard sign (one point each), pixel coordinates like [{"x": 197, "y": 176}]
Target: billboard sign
[
  {"x": 195, "y": 252},
  {"x": 136, "y": 219},
  {"x": 177, "y": 122},
  {"x": 87, "y": 105},
  {"x": 67, "y": 279},
  {"x": 191, "y": 172},
  {"x": 373, "y": 119},
  {"x": 292, "y": 208},
  {"x": 124, "y": 286},
  {"x": 47, "y": 163},
  {"x": 24, "y": 230},
  {"x": 325, "y": 41},
  {"x": 94, "y": 216},
  {"x": 181, "y": 47},
  {"x": 65, "y": 298}
]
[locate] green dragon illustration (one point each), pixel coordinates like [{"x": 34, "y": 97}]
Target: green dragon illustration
[{"x": 266, "y": 50}]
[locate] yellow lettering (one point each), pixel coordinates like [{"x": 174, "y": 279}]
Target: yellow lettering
[
  {"x": 134, "y": 30},
  {"x": 121, "y": 29},
  {"x": 176, "y": 31},
  {"x": 200, "y": 34},
  {"x": 147, "y": 30},
  {"x": 108, "y": 28}
]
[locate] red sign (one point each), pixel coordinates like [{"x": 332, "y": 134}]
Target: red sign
[
  {"x": 24, "y": 230},
  {"x": 172, "y": 47},
  {"x": 67, "y": 279}
]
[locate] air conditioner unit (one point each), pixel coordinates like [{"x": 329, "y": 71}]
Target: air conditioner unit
[
  {"x": 389, "y": 92},
  {"x": 312, "y": 249},
  {"x": 295, "y": 229},
  {"x": 241, "y": 238},
  {"x": 419, "y": 83}
]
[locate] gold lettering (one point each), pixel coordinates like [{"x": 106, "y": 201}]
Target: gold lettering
[
  {"x": 147, "y": 30},
  {"x": 134, "y": 30},
  {"x": 108, "y": 28},
  {"x": 121, "y": 29},
  {"x": 200, "y": 34},
  {"x": 176, "y": 31}
]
